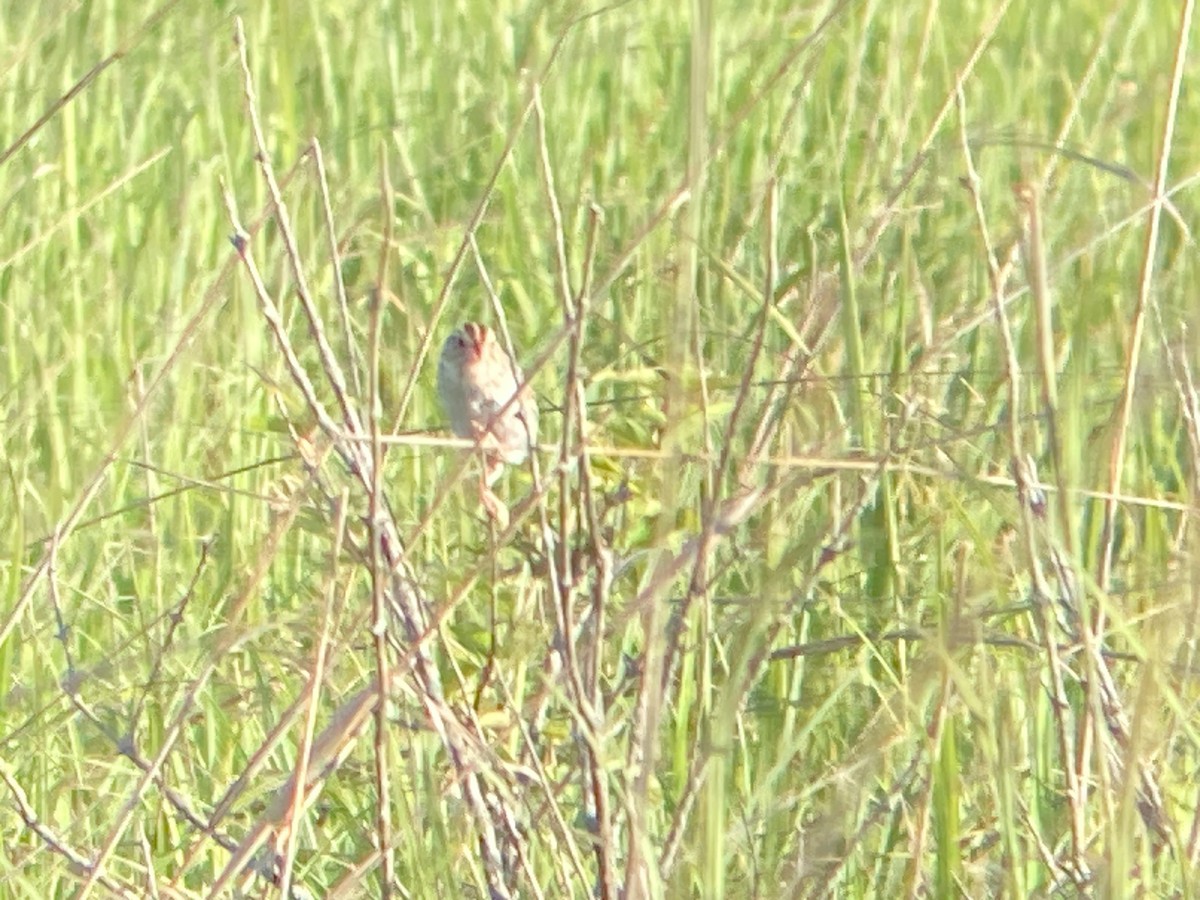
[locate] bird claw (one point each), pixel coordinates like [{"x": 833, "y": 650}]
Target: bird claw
[{"x": 494, "y": 506}]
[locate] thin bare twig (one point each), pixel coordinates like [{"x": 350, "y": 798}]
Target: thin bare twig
[
  {"x": 1145, "y": 285},
  {"x": 379, "y": 579},
  {"x": 316, "y": 679}
]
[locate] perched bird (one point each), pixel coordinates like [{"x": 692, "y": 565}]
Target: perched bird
[{"x": 476, "y": 380}]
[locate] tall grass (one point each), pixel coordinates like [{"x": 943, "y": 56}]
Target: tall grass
[{"x": 857, "y": 557}]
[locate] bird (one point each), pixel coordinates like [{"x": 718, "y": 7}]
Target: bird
[{"x": 476, "y": 381}]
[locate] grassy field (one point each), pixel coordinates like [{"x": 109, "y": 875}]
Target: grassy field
[{"x": 858, "y": 556}]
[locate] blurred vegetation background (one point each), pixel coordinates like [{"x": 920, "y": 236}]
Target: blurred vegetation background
[{"x": 858, "y": 556}]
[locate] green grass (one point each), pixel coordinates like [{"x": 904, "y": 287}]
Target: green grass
[{"x": 840, "y": 650}]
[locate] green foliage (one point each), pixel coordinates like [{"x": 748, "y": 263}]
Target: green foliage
[{"x": 865, "y": 689}]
